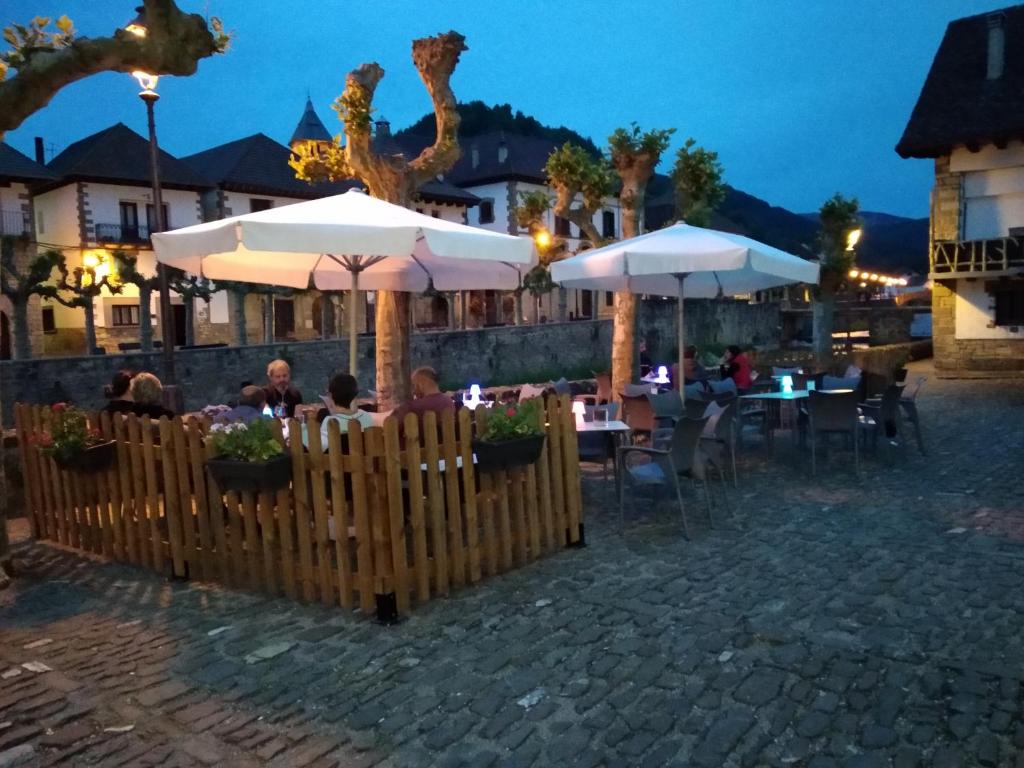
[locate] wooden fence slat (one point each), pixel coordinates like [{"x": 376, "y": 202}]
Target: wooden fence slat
[
  {"x": 321, "y": 531},
  {"x": 557, "y": 478},
  {"x": 417, "y": 518},
  {"x": 469, "y": 494},
  {"x": 571, "y": 467},
  {"x": 519, "y": 530},
  {"x": 366, "y": 567},
  {"x": 300, "y": 497},
  {"x": 485, "y": 505},
  {"x": 396, "y": 518},
  {"x": 186, "y": 504},
  {"x": 172, "y": 500},
  {"x": 129, "y": 499},
  {"x": 501, "y": 489},
  {"x": 152, "y": 494},
  {"x": 285, "y": 526},
  {"x": 53, "y": 524},
  {"x": 236, "y": 539},
  {"x": 341, "y": 515},
  {"x": 201, "y": 496},
  {"x": 449, "y": 452},
  {"x": 218, "y": 520},
  {"x": 268, "y": 538},
  {"x": 533, "y": 524},
  {"x": 253, "y": 550},
  {"x": 113, "y": 488},
  {"x": 25, "y": 447},
  {"x": 103, "y": 512},
  {"x": 380, "y": 517},
  {"x": 138, "y": 477},
  {"x": 435, "y": 498}
]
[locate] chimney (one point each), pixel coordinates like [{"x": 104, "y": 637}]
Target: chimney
[
  {"x": 40, "y": 153},
  {"x": 475, "y": 155},
  {"x": 996, "y": 45},
  {"x": 383, "y": 128},
  {"x": 502, "y": 151}
]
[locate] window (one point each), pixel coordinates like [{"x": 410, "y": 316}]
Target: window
[
  {"x": 1009, "y": 302},
  {"x": 435, "y": 213},
  {"x": 609, "y": 299},
  {"x": 608, "y": 224},
  {"x": 124, "y": 315},
  {"x": 49, "y": 321},
  {"x": 151, "y": 221},
  {"x": 129, "y": 220},
  {"x": 562, "y": 227},
  {"x": 40, "y": 223},
  {"x": 486, "y": 211},
  {"x": 284, "y": 319},
  {"x": 257, "y": 204},
  {"x": 419, "y": 210}
]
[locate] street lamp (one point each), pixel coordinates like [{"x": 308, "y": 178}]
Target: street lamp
[
  {"x": 149, "y": 95},
  {"x": 852, "y": 238}
]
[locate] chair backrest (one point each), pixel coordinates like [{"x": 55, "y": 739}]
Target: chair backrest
[
  {"x": 562, "y": 386},
  {"x": 840, "y": 382},
  {"x": 696, "y": 408},
  {"x": 635, "y": 390},
  {"x": 800, "y": 380},
  {"x": 685, "y": 440},
  {"x": 720, "y": 418},
  {"x": 832, "y": 410},
  {"x": 604, "y": 386},
  {"x": 890, "y": 405},
  {"x": 693, "y": 391},
  {"x": 528, "y": 391},
  {"x": 666, "y": 404},
  {"x": 722, "y": 387},
  {"x": 637, "y": 413},
  {"x": 910, "y": 391}
]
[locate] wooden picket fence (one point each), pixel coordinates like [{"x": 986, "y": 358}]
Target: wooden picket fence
[{"x": 374, "y": 522}]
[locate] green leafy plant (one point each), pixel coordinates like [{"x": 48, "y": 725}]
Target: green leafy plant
[
  {"x": 69, "y": 434},
  {"x": 511, "y": 422},
  {"x": 244, "y": 442}
]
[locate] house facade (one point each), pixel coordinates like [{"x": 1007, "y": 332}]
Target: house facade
[{"x": 969, "y": 118}]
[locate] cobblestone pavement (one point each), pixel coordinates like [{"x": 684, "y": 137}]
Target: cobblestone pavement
[{"x": 837, "y": 621}]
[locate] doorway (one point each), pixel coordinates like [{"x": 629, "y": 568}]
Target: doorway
[
  {"x": 5, "y": 337},
  {"x": 178, "y": 311}
]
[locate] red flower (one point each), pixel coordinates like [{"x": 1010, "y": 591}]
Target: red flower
[
  {"x": 59, "y": 407},
  {"x": 510, "y": 412}
]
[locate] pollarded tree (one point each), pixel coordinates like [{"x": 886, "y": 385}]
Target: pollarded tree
[
  {"x": 839, "y": 217},
  {"x": 190, "y": 288},
  {"x": 392, "y": 178},
  {"x": 46, "y": 61},
  {"x": 19, "y": 285},
  {"x": 84, "y": 286},
  {"x": 127, "y": 267},
  {"x": 697, "y": 179},
  {"x": 634, "y": 156},
  {"x": 530, "y": 213}
]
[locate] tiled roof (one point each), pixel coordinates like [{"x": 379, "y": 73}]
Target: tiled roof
[
  {"x": 120, "y": 155},
  {"x": 959, "y": 105},
  {"x": 500, "y": 156},
  {"x": 15, "y": 166},
  {"x": 258, "y": 165},
  {"x": 310, "y": 127}
]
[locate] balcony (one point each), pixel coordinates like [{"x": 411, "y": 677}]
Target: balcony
[
  {"x": 15, "y": 223},
  {"x": 999, "y": 257},
  {"x": 122, "y": 234}
]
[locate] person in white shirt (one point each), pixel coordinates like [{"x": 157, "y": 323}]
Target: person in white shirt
[{"x": 341, "y": 391}]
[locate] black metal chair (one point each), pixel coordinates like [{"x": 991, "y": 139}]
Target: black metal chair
[{"x": 831, "y": 413}]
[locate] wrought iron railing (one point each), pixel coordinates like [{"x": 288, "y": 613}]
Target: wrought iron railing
[
  {"x": 964, "y": 257},
  {"x": 14, "y": 223},
  {"x": 123, "y": 234}
]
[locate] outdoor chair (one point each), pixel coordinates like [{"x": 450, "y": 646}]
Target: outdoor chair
[
  {"x": 667, "y": 407},
  {"x": 719, "y": 439},
  {"x": 604, "y": 387},
  {"x": 681, "y": 457},
  {"x": 528, "y": 391},
  {"x": 800, "y": 380},
  {"x": 638, "y": 414},
  {"x": 637, "y": 390},
  {"x": 832, "y": 413},
  {"x": 595, "y": 446},
  {"x": 882, "y": 414},
  {"x": 908, "y": 403}
]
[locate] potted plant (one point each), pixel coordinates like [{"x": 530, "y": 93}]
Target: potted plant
[
  {"x": 73, "y": 444},
  {"x": 514, "y": 438},
  {"x": 248, "y": 457}
]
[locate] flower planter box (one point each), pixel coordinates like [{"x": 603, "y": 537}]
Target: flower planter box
[
  {"x": 234, "y": 475},
  {"x": 492, "y": 457},
  {"x": 96, "y": 458}
]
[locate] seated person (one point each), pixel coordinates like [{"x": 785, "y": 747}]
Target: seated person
[
  {"x": 119, "y": 399},
  {"x": 341, "y": 391},
  {"x": 282, "y": 397},
  {"x": 736, "y": 366},
  {"x": 427, "y": 396},
  {"x": 250, "y": 406},
  {"x": 147, "y": 395},
  {"x": 645, "y": 359},
  {"x": 692, "y": 369}
]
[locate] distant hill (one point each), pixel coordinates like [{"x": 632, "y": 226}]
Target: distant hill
[
  {"x": 891, "y": 243},
  {"x": 478, "y": 118}
]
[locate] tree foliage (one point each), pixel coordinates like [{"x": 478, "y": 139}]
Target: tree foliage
[
  {"x": 697, "y": 179},
  {"x": 533, "y": 207},
  {"x": 839, "y": 216},
  {"x": 581, "y": 183}
]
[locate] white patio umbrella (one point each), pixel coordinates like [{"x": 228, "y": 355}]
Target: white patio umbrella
[
  {"x": 682, "y": 260},
  {"x": 348, "y": 242}
]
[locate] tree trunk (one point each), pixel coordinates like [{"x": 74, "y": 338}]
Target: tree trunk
[
  {"x": 190, "y": 321},
  {"x": 519, "y": 310},
  {"x": 19, "y": 328},
  {"x": 6, "y": 565},
  {"x": 268, "y": 318},
  {"x": 535, "y": 301},
  {"x": 238, "y": 319},
  {"x": 823, "y": 312},
  {"x": 563, "y": 305},
  {"x": 90, "y": 328},
  {"x": 146, "y": 318},
  {"x": 392, "y": 336},
  {"x": 326, "y": 317},
  {"x": 450, "y": 297},
  {"x": 463, "y": 309}
]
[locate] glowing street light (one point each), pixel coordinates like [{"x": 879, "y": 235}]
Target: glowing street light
[
  {"x": 854, "y": 274},
  {"x": 542, "y": 238},
  {"x": 852, "y": 238}
]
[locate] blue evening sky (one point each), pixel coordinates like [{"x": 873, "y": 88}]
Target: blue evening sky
[{"x": 801, "y": 98}]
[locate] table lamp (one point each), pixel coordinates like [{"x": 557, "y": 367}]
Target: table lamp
[
  {"x": 474, "y": 397},
  {"x": 787, "y": 384},
  {"x": 663, "y": 374},
  {"x": 579, "y": 409}
]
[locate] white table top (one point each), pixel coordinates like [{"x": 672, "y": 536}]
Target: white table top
[
  {"x": 797, "y": 394},
  {"x": 602, "y": 426}
]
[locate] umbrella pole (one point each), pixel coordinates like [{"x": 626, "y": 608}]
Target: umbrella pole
[
  {"x": 353, "y": 326},
  {"x": 681, "y": 337}
]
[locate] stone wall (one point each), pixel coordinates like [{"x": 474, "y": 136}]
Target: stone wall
[
  {"x": 708, "y": 323},
  {"x": 886, "y": 324},
  {"x": 969, "y": 358}
]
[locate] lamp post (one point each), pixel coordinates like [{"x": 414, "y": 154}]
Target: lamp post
[{"x": 149, "y": 96}]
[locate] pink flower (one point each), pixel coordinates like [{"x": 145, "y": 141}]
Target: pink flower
[
  {"x": 59, "y": 407},
  {"x": 510, "y": 412}
]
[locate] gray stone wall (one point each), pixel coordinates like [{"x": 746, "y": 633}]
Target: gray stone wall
[{"x": 708, "y": 322}]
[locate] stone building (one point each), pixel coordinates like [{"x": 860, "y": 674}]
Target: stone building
[{"x": 969, "y": 118}]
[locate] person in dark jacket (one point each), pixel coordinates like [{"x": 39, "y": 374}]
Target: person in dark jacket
[
  {"x": 282, "y": 397},
  {"x": 119, "y": 399},
  {"x": 148, "y": 396}
]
